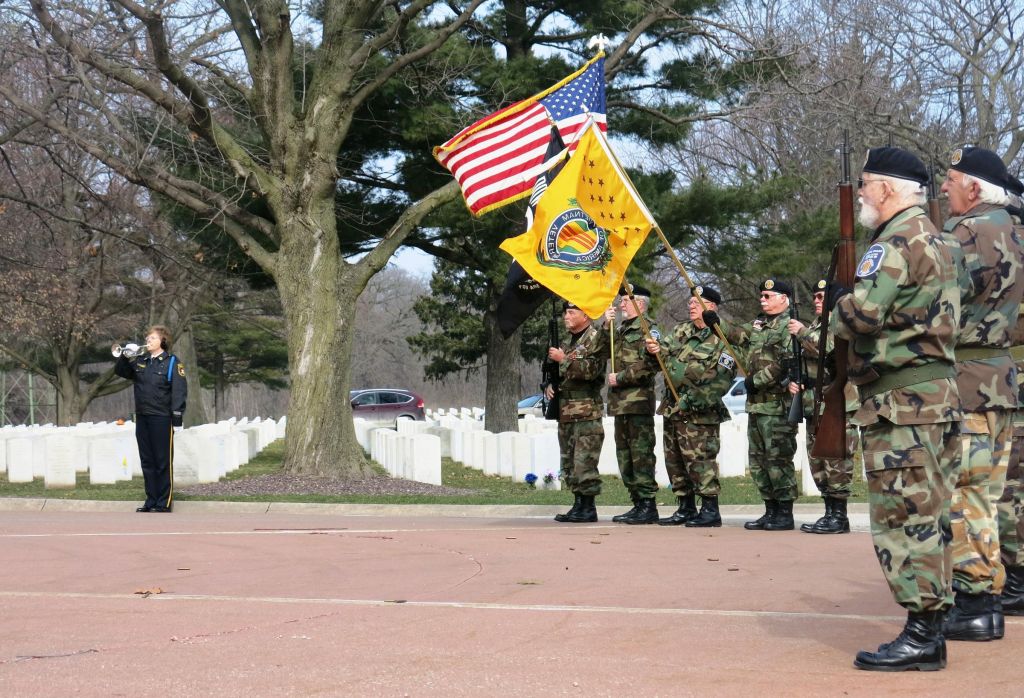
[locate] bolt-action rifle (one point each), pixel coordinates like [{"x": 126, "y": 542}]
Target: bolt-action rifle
[
  {"x": 796, "y": 373},
  {"x": 549, "y": 369},
  {"x": 934, "y": 210},
  {"x": 830, "y": 424}
]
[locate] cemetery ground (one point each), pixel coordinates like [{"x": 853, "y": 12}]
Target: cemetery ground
[
  {"x": 393, "y": 588},
  {"x": 263, "y": 480}
]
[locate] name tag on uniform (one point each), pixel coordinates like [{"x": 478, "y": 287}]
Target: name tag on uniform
[
  {"x": 726, "y": 361},
  {"x": 871, "y": 261}
]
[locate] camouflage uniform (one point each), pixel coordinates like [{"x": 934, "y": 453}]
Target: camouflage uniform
[
  {"x": 1010, "y": 508},
  {"x": 580, "y": 432},
  {"x": 901, "y": 320},
  {"x": 832, "y": 476},
  {"x": 990, "y": 267},
  {"x": 701, "y": 373},
  {"x": 771, "y": 438},
  {"x": 631, "y": 402}
]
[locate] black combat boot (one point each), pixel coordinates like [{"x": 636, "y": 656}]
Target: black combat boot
[
  {"x": 809, "y": 527},
  {"x": 974, "y": 617},
  {"x": 770, "y": 507},
  {"x": 708, "y": 516},
  {"x": 837, "y": 523},
  {"x": 646, "y": 513},
  {"x": 783, "y": 518},
  {"x": 687, "y": 510},
  {"x": 578, "y": 499},
  {"x": 632, "y": 512},
  {"x": 1012, "y": 599},
  {"x": 920, "y": 646},
  {"x": 587, "y": 513}
]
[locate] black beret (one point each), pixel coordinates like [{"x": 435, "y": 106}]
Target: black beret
[
  {"x": 708, "y": 293},
  {"x": 638, "y": 290},
  {"x": 1014, "y": 185},
  {"x": 821, "y": 285},
  {"x": 896, "y": 162},
  {"x": 778, "y": 286},
  {"x": 980, "y": 163},
  {"x": 567, "y": 305}
]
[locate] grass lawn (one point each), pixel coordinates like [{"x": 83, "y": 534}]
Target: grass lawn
[{"x": 491, "y": 489}]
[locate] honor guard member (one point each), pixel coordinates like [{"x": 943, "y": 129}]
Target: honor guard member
[
  {"x": 832, "y": 476},
  {"x": 771, "y": 438},
  {"x": 631, "y": 403},
  {"x": 901, "y": 320},
  {"x": 160, "y": 394},
  {"x": 1010, "y": 506},
  {"x": 991, "y": 288},
  {"x": 701, "y": 373},
  {"x": 581, "y": 368}
]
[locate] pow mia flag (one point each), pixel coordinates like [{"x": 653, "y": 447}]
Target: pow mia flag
[{"x": 521, "y": 296}]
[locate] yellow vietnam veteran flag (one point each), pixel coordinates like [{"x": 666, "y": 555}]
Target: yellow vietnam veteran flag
[{"x": 587, "y": 227}]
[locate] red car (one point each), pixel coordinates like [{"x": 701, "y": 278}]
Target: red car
[{"x": 386, "y": 405}]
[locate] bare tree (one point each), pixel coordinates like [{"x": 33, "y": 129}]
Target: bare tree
[{"x": 173, "y": 70}]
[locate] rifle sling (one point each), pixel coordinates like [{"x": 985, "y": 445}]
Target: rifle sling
[
  {"x": 911, "y": 375},
  {"x": 978, "y": 353}
]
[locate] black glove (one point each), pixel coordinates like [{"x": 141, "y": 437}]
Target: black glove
[
  {"x": 176, "y": 419},
  {"x": 835, "y": 292},
  {"x": 748, "y": 382},
  {"x": 710, "y": 318}
]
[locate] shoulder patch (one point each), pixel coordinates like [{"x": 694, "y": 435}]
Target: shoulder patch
[
  {"x": 726, "y": 361},
  {"x": 181, "y": 370},
  {"x": 871, "y": 261}
]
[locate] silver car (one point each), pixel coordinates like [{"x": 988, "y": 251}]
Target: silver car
[{"x": 735, "y": 397}]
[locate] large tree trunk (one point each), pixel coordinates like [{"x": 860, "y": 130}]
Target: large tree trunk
[
  {"x": 70, "y": 405},
  {"x": 185, "y": 350},
  {"x": 504, "y": 370},
  {"x": 319, "y": 301}
]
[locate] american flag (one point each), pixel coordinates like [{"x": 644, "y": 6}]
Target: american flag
[{"x": 497, "y": 159}]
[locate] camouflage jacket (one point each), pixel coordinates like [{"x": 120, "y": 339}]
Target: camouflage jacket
[
  {"x": 635, "y": 370},
  {"x": 768, "y": 349},
  {"x": 901, "y": 321},
  {"x": 991, "y": 288},
  {"x": 582, "y": 375},
  {"x": 701, "y": 373},
  {"x": 809, "y": 337}
]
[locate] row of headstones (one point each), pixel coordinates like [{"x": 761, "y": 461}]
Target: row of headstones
[
  {"x": 534, "y": 448},
  {"x": 404, "y": 452},
  {"x": 109, "y": 452}
]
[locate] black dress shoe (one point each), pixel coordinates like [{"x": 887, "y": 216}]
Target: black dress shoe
[
  {"x": 162, "y": 510},
  {"x": 144, "y": 509}
]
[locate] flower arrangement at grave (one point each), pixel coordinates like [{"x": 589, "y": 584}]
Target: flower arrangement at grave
[{"x": 530, "y": 480}]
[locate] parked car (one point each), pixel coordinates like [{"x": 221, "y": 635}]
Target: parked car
[
  {"x": 735, "y": 397},
  {"x": 532, "y": 405},
  {"x": 386, "y": 405}
]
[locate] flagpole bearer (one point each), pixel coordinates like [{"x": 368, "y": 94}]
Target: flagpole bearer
[
  {"x": 686, "y": 277},
  {"x": 647, "y": 335}
]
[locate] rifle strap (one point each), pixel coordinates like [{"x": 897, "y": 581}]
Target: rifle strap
[
  {"x": 977, "y": 353},
  {"x": 911, "y": 375}
]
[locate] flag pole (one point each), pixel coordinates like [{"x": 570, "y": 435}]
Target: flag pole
[
  {"x": 671, "y": 253},
  {"x": 647, "y": 335}
]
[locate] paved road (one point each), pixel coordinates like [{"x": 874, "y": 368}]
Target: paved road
[{"x": 214, "y": 600}]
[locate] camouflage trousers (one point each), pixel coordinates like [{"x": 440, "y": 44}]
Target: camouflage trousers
[
  {"x": 634, "y": 451},
  {"x": 580, "y": 446},
  {"x": 832, "y": 476},
  {"x": 911, "y": 471},
  {"x": 981, "y": 477},
  {"x": 691, "y": 457},
  {"x": 1010, "y": 508},
  {"x": 771, "y": 446}
]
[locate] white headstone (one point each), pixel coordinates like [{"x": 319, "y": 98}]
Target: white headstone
[{"x": 62, "y": 452}]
